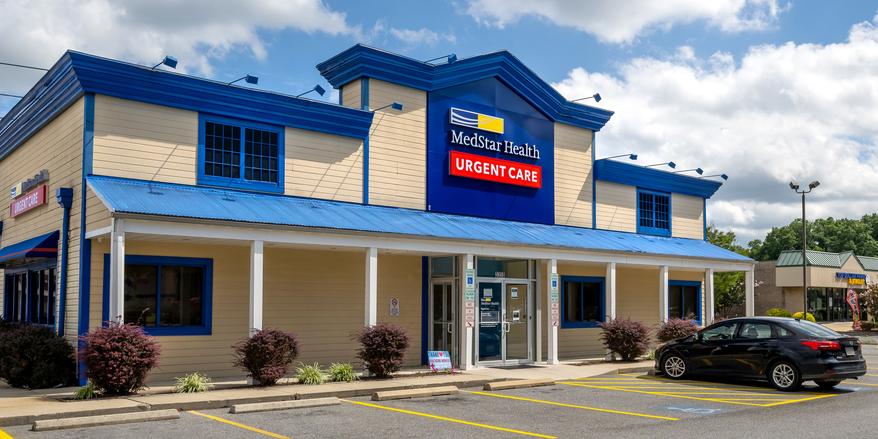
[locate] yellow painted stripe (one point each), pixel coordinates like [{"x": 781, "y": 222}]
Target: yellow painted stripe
[
  {"x": 655, "y": 393},
  {"x": 447, "y": 419},
  {"x": 4, "y": 435},
  {"x": 574, "y": 406},
  {"x": 239, "y": 425},
  {"x": 871, "y": 375},
  {"x": 727, "y": 393},
  {"x": 793, "y": 401},
  {"x": 862, "y": 384}
]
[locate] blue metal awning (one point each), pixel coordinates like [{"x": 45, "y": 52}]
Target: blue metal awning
[
  {"x": 43, "y": 246},
  {"x": 138, "y": 197}
]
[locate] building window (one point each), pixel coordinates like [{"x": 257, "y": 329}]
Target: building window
[
  {"x": 582, "y": 301},
  {"x": 31, "y": 295},
  {"x": 241, "y": 155},
  {"x": 684, "y": 300},
  {"x": 166, "y": 295},
  {"x": 653, "y": 213}
]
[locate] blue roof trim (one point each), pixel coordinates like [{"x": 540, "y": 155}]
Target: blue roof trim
[
  {"x": 124, "y": 196},
  {"x": 363, "y": 61},
  {"x": 648, "y": 178},
  {"x": 76, "y": 73},
  {"x": 43, "y": 246}
]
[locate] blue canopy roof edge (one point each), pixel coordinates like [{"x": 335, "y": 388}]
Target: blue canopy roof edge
[
  {"x": 139, "y": 197},
  {"x": 364, "y": 61},
  {"x": 76, "y": 73},
  {"x": 648, "y": 178},
  {"x": 43, "y": 246}
]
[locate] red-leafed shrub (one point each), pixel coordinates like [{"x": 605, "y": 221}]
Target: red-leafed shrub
[
  {"x": 382, "y": 348},
  {"x": 676, "y": 328},
  {"x": 267, "y": 355},
  {"x": 626, "y": 337},
  {"x": 118, "y": 358},
  {"x": 34, "y": 357}
]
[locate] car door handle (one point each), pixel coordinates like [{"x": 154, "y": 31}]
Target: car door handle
[{"x": 716, "y": 350}]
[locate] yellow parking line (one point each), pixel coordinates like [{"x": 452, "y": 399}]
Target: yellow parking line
[
  {"x": 652, "y": 393},
  {"x": 863, "y": 384},
  {"x": 792, "y": 401},
  {"x": 871, "y": 375},
  {"x": 4, "y": 435},
  {"x": 447, "y": 419},
  {"x": 725, "y": 393},
  {"x": 574, "y": 406},
  {"x": 239, "y": 425}
]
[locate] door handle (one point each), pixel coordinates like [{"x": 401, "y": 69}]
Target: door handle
[
  {"x": 507, "y": 326},
  {"x": 451, "y": 328}
]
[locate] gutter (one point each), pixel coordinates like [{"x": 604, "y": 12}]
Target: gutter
[{"x": 64, "y": 196}]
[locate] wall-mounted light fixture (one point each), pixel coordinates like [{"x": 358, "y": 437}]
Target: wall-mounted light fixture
[
  {"x": 250, "y": 79},
  {"x": 317, "y": 88},
  {"x": 597, "y": 98},
  {"x": 671, "y": 165},
  {"x": 698, "y": 171},
  {"x": 631, "y": 156},
  {"x": 393, "y": 105},
  {"x": 450, "y": 58},
  {"x": 169, "y": 61},
  {"x": 723, "y": 176}
]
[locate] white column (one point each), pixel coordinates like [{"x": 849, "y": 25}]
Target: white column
[
  {"x": 467, "y": 287},
  {"x": 709, "y": 304},
  {"x": 257, "y": 256},
  {"x": 117, "y": 272},
  {"x": 663, "y": 293},
  {"x": 371, "y": 286},
  {"x": 538, "y": 306},
  {"x": 610, "y": 284},
  {"x": 552, "y": 301},
  {"x": 748, "y": 293}
]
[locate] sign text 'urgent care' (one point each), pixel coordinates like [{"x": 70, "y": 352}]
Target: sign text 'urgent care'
[{"x": 496, "y": 170}]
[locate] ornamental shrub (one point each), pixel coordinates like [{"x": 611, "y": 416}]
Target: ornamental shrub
[
  {"x": 810, "y": 317},
  {"x": 192, "y": 383},
  {"x": 626, "y": 337},
  {"x": 267, "y": 355},
  {"x": 675, "y": 328},
  {"x": 867, "y": 326},
  {"x": 310, "y": 374},
  {"x": 342, "y": 372},
  {"x": 382, "y": 348},
  {"x": 33, "y": 356},
  {"x": 118, "y": 358},
  {"x": 778, "y": 312}
]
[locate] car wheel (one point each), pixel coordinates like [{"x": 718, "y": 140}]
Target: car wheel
[
  {"x": 783, "y": 375},
  {"x": 674, "y": 366},
  {"x": 827, "y": 384}
]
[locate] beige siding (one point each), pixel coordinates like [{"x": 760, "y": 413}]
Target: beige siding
[
  {"x": 321, "y": 165},
  {"x": 97, "y": 214},
  {"x": 58, "y": 148},
  {"x": 144, "y": 141},
  {"x": 687, "y": 216},
  {"x": 616, "y": 206},
  {"x": 350, "y": 94},
  {"x": 398, "y": 147},
  {"x": 574, "y": 343},
  {"x": 573, "y": 176},
  {"x": 820, "y": 276}
]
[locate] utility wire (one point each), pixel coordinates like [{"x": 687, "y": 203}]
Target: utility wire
[
  {"x": 22, "y": 66},
  {"x": 11, "y": 96}
]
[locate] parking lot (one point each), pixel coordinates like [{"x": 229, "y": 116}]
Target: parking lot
[{"x": 633, "y": 405}]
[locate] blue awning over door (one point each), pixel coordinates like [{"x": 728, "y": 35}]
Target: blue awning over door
[{"x": 43, "y": 246}]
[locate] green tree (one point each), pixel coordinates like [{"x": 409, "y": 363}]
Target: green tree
[
  {"x": 843, "y": 234},
  {"x": 728, "y": 288},
  {"x": 788, "y": 237}
]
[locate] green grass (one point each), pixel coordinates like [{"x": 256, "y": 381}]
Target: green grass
[
  {"x": 86, "y": 392},
  {"x": 309, "y": 374}
]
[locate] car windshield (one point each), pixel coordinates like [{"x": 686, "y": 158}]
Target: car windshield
[{"x": 805, "y": 327}]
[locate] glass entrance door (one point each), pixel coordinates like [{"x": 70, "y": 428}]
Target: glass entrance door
[
  {"x": 491, "y": 321},
  {"x": 442, "y": 313},
  {"x": 504, "y": 322},
  {"x": 515, "y": 322}
]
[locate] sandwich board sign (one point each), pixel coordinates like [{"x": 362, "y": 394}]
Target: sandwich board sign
[{"x": 439, "y": 360}]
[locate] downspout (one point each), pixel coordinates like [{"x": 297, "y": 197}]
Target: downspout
[{"x": 64, "y": 196}]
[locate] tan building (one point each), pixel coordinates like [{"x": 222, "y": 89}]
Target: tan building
[{"x": 462, "y": 201}]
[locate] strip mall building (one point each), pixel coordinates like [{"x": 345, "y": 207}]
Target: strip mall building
[{"x": 476, "y": 215}]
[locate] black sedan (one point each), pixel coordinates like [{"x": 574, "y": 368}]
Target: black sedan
[{"x": 783, "y": 351}]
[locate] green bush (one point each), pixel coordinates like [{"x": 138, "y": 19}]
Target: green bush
[
  {"x": 342, "y": 372},
  {"x": 309, "y": 374},
  {"x": 192, "y": 383},
  {"x": 778, "y": 312},
  {"x": 86, "y": 392},
  {"x": 810, "y": 317},
  {"x": 868, "y": 326}
]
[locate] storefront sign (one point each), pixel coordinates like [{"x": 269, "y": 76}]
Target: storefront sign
[
  {"x": 851, "y": 278},
  {"x": 439, "y": 360},
  {"x": 469, "y": 298},
  {"x": 497, "y": 170},
  {"x": 471, "y": 119},
  {"x": 553, "y": 295},
  {"x": 30, "y": 183},
  {"x": 394, "y": 307},
  {"x": 29, "y": 201}
]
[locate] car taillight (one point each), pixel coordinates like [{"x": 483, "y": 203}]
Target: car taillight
[{"x": 821, "y": 345}]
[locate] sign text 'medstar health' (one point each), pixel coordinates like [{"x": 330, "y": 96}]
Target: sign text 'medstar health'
[{"x": 497, "y": 170}]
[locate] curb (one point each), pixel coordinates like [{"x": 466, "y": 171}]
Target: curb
[
  {"x": 8, "y": 421},
  {"x": 414, "y": 393},
  {"x": 284, "y": 405},
  {"x": 94, "y": 421},
  {"x": 518, "y": 384},
  {"x": 642, "y": 369}
]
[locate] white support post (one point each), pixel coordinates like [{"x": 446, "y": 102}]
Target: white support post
[
  {"x": 257, "y": 256},
  {"x": 371, "y": 287},
  {"x": 749, "y": 283},
  {"x": 467, "y": 264},
  {"x": 663, "y": 293},
  {"x": 538, "y": 311},
  {"x": 611, "y": 290},
  {"x": 552, "y": 302},
  {"x": 117, "y": 272},
  {"x": 709, "y": 303}
]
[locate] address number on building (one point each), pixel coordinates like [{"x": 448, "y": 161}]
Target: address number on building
[{"x": 497, "y": 170}]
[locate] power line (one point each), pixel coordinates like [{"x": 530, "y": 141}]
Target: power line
[
  {"x": 22, "y": 66},
  {"x": 11, "y": 96}
]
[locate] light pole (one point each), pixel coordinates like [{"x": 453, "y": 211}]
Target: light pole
[{"x": 795, "y": 188}]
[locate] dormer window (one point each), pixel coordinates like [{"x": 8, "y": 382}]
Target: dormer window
[{"x": 241, "y": 155}]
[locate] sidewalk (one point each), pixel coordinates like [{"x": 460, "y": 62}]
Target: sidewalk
[{"x": 21, "y": 407}]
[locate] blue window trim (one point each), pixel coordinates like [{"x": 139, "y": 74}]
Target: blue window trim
[
  {"x": 27, "y": 269},
  {"x": 698, "y": 300},
  {"x": 653, "y": 230},
  {"x": 240, "y": 182},
  {"x": 590, "y": 279},
  {"x": 206, "y": 301}
]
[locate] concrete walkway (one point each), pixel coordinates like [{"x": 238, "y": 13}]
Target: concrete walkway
[{"x": 21, "y": 407}]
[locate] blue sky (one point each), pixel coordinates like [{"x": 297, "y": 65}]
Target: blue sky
[{"x": 766, "y": 91}]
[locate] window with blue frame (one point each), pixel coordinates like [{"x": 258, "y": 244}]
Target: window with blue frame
[
  {"x": 653, "y": 213},
  {"x": 242, "y": 155},
  {"x": 582, "y": 301},
  {"x": 166, "y": 295},
  {"x": 30, "y": 295},
  {"x": 684, "y": 300}
]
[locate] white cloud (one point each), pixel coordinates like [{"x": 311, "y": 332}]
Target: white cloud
[
  {"x": 621, "y": 21},
  {"x": 782, "y": 112},
  {"x": 422, "y": 36}
]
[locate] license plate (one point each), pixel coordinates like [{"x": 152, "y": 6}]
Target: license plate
[{"x": 849, "y": 351}]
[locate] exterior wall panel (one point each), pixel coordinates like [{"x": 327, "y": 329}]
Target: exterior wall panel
[
  {"x": 573, "y": 176},
  {"x": 323, "y": 166},
  {"x": 616, "y": 207},
  {"x": 687, "y": 216},
  {"x": 350, "y": 94}
]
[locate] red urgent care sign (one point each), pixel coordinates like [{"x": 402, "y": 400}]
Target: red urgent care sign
[
  {"x": 496, "y": 170},
  {"x": 34, "y": 198}
]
